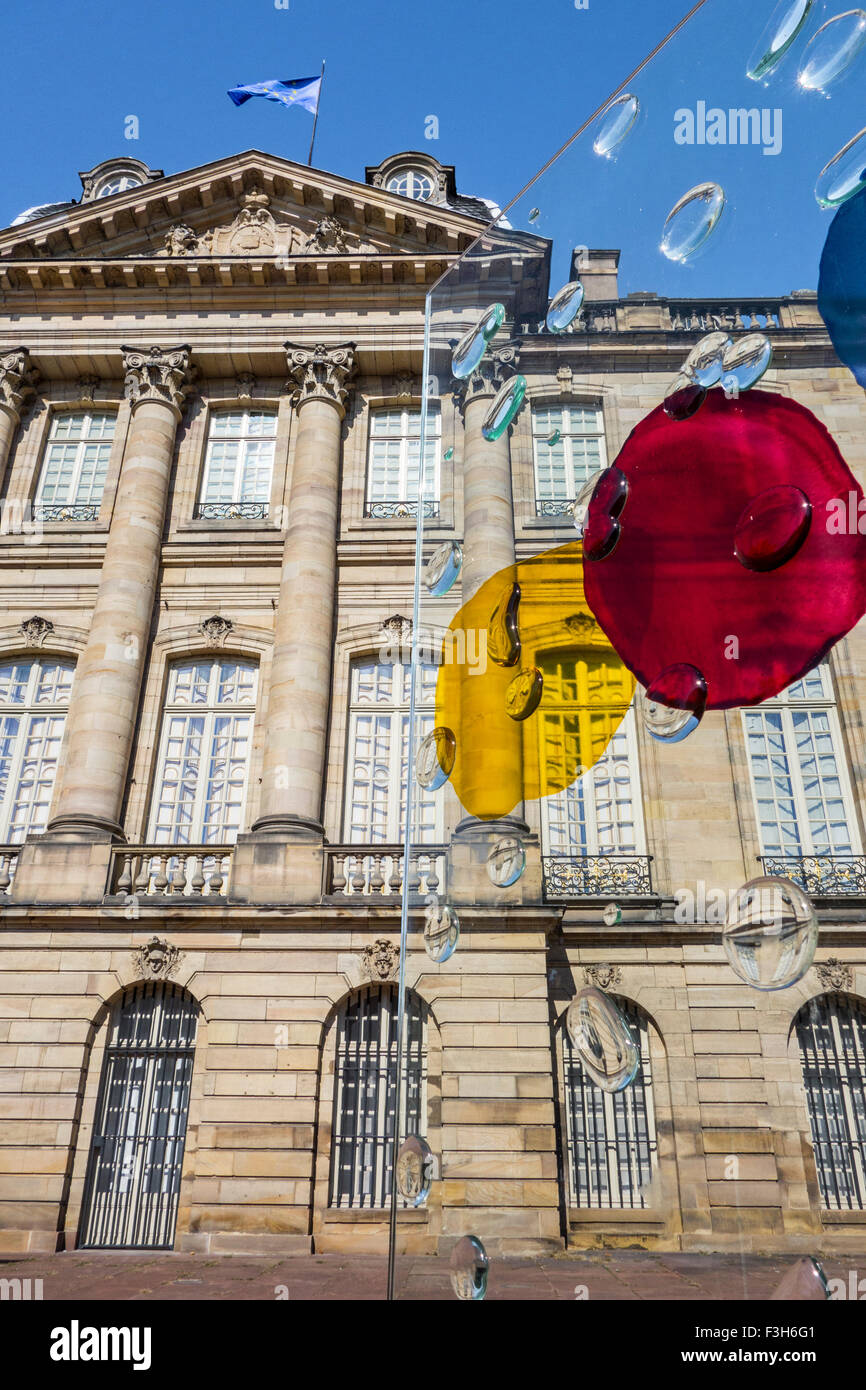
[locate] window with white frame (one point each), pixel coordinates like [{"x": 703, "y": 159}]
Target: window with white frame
[
  {"x": 34, "y": 699},
  {"x": 393, "y": 462},
  {"x": 800, "y": 783},
  {"x": 568, "y": 447},
  {"x": 376, "y": 765},
  {"x": 75, "y": 466},
  {"x": 412, "y": 183},
  {"x": 611, "y": 1139},
  {"x": 831, "y": 1032},
  {"x": 239, "y": 464},
  {"x": 204, "y": 752},
  {"x": 365, "y": 1093}
]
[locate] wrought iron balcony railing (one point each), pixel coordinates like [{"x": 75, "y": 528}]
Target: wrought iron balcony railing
[
  {"x": 66, "y": 511},
  {"x": 383, "y": 511},
  {"x": 597, "y": 876},
  {"x": 555, "y": 506},
  {"x": 822, "y": 875},
  {"x": 231, "y": 511}
]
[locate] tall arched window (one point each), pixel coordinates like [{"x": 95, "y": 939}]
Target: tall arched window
[
  {"x": 365, "y": 1092},
  {"x": 831, "y": 1032},
  {"x": 611, "y": 1139},
  {"x": 133, "y": 1180},
  {"x": 34, "y": 698}
]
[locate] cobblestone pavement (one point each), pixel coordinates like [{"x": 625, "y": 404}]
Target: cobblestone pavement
[{"x": 134, "y": 1276}]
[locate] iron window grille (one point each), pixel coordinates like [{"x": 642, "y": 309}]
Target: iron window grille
[
  {"x": 831, "y": 1032},
  {"x": 74, "y": 469}
]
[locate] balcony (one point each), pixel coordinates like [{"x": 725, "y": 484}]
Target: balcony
[
  {"x": 555, "y": 506},
  {"x": 163, "y": 873},
  {"x": 66, "y": 511},
  {"x": 820, "y": 875},
  {"x": 8, "y": 865},
  {"x": 376, "y": 871},
  {"x": 567, "y": 877},
  {"x": 386, "y": 511},
  {"x": 231, "y": 511}
]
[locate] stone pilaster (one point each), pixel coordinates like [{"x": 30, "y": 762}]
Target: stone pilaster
[
  {"x": 299, "y": 696},
  {"x": 17, "y": 384}
]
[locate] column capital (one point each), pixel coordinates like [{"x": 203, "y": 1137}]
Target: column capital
[
  {"x": 18, "y": 380},
  {"x": 496, "y": 367},
  {"x": 320, "y": 373},
  {"x": 157, "y": 374}
]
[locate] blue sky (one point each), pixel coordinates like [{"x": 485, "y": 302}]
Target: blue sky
[{"x": 509, "y": 80}]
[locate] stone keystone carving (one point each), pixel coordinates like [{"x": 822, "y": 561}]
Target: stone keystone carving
[
  {"x": 496, "y": 367},
  {"x": 398, "y": 626},
  {"x": 157, "y": 375},
  {"x": 834, "y": 974},
  {"x": 34, "y": 630},
  {"x": 245, "y": 385},
  {"x": 87, "y": 386},
  {"x": 602, "y": 976},
  {"x": 380, "y": 961},
  {"x": 215, "y": 630},
  {"x": 17, "y": 379},
  {"x": 321, "y": 373},
  {"x": 157, "y": 960}
]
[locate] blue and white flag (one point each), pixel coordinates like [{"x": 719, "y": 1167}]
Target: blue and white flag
[{"x": 288, "y": 91}]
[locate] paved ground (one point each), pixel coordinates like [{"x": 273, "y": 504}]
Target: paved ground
[{"x": 602, "y": 1276}]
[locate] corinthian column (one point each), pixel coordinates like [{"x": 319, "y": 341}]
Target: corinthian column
[
  {"x": 17, "y": 382},
  {"x": 105, "y": 692},
  {"x": 297, "y": 714}
]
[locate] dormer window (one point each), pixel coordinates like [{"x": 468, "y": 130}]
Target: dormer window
[
  {"x": 117, "y": 183},
  {"x": 412, "y": 183},
  {"x": 113, "y": 176}
]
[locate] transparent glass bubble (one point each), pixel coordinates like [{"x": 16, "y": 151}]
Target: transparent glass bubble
[
  {"x": 435, "y": 761},
  {"x": 691, "y": 221},
  {"x": 603, "y": 1040},
  {"x": 615, "y": 123},
  {"x": 612, "y": 915},
  {"x": 441, "y": 930},
  {"x": 580, "y": 505},
  {"x": 704, "y": 362},
  {"x": 415, "y": 1170},
  {"x": 472, "y": 346},
  {"x": 684, "y": 397},
  {"x": 503, "y": 636},
  {"x": 443, "y": 568},
  {"x": 554, "y": 438},
  {"x": 523, "y": 695},
  {"x": 771, "y": 933},
  {"x": 804, "y": 1281},
  {"x": 832, "y": 50},
  {"x": 469, "y": 1267},
  {"x": 504, "y": 408},
  {"x": 785, "y": 24},
  {"x": 675, "y": 703},
  {"x": 745, "y": 362},
  {"x": 448, "y": 455},
  {"x": 506, "y": 861},
  {"x": 534, "y": 214},
  {"x": 772, "y": 527},
  {"x": 601, "y": 529},
  {"x": 565, "y": 306},
  {"x": 845, "y": 175}
]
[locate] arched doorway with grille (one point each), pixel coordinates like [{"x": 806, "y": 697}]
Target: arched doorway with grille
[
  {"x": 132, "y": 1186},
  {"x": 831, "y": 1036}
]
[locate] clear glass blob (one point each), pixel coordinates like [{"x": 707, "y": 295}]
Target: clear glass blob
[
  {"x": 504, "y": 407},
  {"x": 472, "y": 346},
  {"x": 441, "y": 930},
  {"x": 786, "y": 22},
  {"x": 523, "y": 695},
  {"x": 443, "y": 568},
  {"x": 772, "y": 527},
  {"x": 564, "y": 307},
  {"x": 435, "y": 761},
  {"x": 704, "y": 362},
  {"x": 832, "y": 50},
  {"x": 745, "y": 362},
  {"x": 845, "y": 175},
  {"x": 503, "y": 635},
  {"x": 469, "y": 1267},
  {"x": 612, "y": 915},
  {"x": 580, "y": 505},
  {"x": 615, "y": 123},
  {"x": 601, "y": 530},
  {"x": 691, "y": 221},
  {"x": 415, "y": 1169},
  {"x": 684, "y": 397},
  {"x": 771, "y": 933},
  {"x": 448, "y": 455},
  {"x": 804, "y": 1281},
  {"x": 506, "y": 861},
  {"x": 603, "y": 1040},
  {"x": 675, "y": 703}
]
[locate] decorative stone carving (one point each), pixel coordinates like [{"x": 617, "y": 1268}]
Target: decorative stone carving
[
  {"x": 34, "y": 630},
  {"x": 254, "y": 228},
  {"x": 496, "y": 367},
  {"x": 380, "y": 962},
  {"x": 157, "y": 960},
  {"x": 329, "y": 236},
  {"x": 157, "y": 375},
  {"x": 565, "y": 377},
  {"x": 246, "y": 385},
  {"x": 17, "y": 380},
  {"x": 87, "y": 386},
  {"x": 834, "y": 974},
  {"x": 584, "y": 627},
  {"x": 397, "y": 626},
  {"x": 181, "y": 240},
  {"x": 321, "y": 373},
  {"x": 406, "y": 386},
  {"x": 602, "y": 976},
  {"x": 215, "y": 630}
]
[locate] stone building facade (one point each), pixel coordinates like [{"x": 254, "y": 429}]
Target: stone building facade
[{"x": 209, "y": 391}]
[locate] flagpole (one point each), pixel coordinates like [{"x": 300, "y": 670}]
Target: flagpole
[{"x": 316, "y": 117}]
